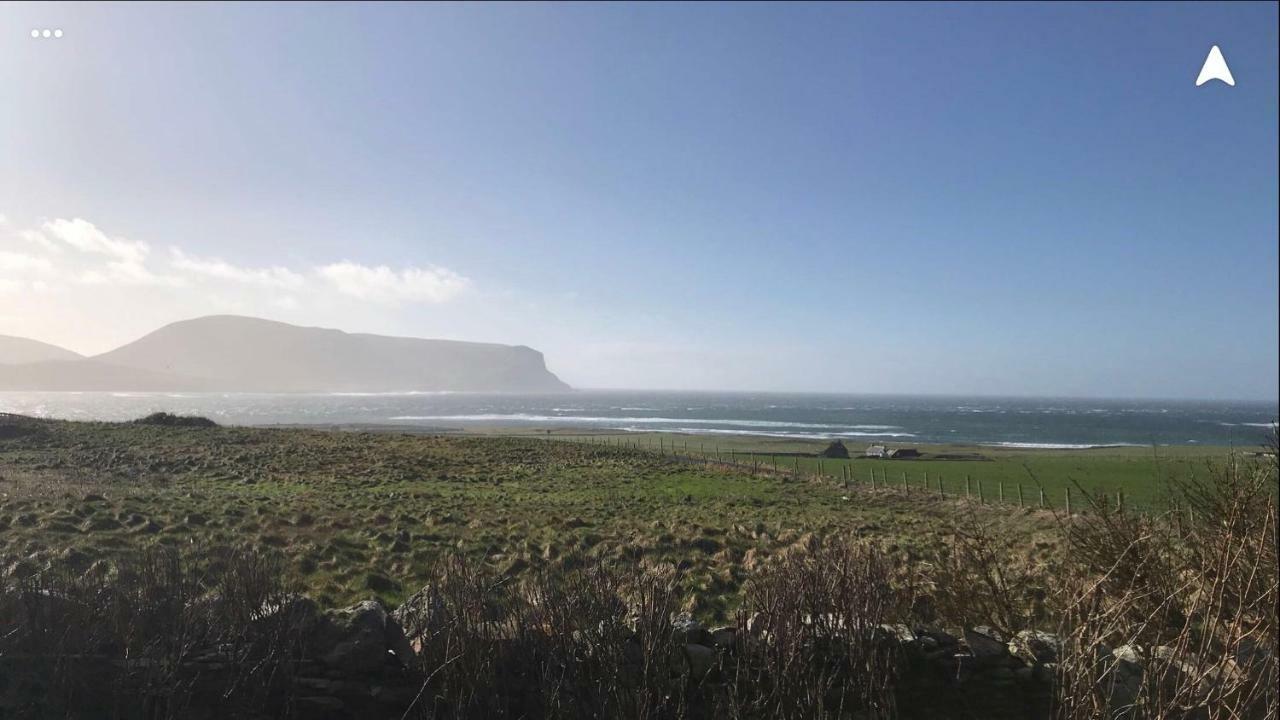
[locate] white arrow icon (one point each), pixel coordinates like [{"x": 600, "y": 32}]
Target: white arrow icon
[{"x": 1215, "y": 68}]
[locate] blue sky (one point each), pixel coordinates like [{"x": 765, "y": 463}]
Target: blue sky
[{"x": 996, "y": 199}]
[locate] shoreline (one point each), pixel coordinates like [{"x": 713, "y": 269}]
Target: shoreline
[{"x": 761, "y": 443}]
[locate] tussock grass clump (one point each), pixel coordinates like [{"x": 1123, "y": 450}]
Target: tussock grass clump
[{"x": 165, "y": 419}]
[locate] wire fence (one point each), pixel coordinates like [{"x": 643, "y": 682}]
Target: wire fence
[{"x": 855, "y": 473}]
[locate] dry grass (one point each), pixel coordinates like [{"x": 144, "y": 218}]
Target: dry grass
[{"x": 1192, "y": 592}]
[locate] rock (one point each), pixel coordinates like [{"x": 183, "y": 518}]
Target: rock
[
  {"x": 685, "y": 630},
  {"x": 1171, "y": 668},
  {"x": 701, "y": 660},
  {"x": 825, "y": 624},
  {"x": 397, "y": 643},
  {"x": 21, "y": 570},
  {"x": 1122, "y": 680},
  {"x": 1252, "y": 653},
  {"x": 1035, "y": 646},
  {"x": 397, "y": 696},
  {"x": 632, "y": 652},
  {"x": 321, "y": 707},
  {"x": 1001, "y": 676},
  {"x": 353, "y": 639},
  {"x": 725, "y": 637},
  {"x": 934, "y": 636},
  {"x": 316, "y": 685},
  {"x": 422, "y": 611},
  {"x": 48, "y": 609},
  {"x": 986, "y": 644},
  {"x": 898, "y": 633},
  {"x": 296, "y": 611},
  {"x": 1131, "y": 654}
]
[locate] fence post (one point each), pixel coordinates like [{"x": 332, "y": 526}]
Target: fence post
[
  {"x": 1001, "y": 491},
  {"x": 1068, "y": 499},
  {"x": 1020, "y": 502},
  {"x": 905, "y": 487},
  {"x": 967, "y": 491},
  {"x": 981, "y": 498},
  {"x": 1042, "y": 498},
  {"x": 941, "y": 490}
]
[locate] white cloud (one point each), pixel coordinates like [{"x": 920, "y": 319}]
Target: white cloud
[
  {"x": 35, "y": 237},
  {"x": 127, "y": 272},
  {"x": 69, "y": 282},
  {"x": 85, "y": 237},
  {"x": 22, "y": 262},
  {"x": 215, "y": 268},
  {"x": 382, "y": 284}
]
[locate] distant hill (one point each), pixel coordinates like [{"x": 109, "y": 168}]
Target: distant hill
[
  {"x": 242, "y": 354},
  {"x": 15, "y": 350},
  {"x": 90, "y": 375}
]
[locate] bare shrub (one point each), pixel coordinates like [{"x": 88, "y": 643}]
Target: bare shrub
[
  {"x": 1187, "y": 597},
  {"x": 463, "y": 625},
  {"x": 118, "y": 636},
  {"x": 812, "y": 645},
  {"x": 975, "y": 581}
]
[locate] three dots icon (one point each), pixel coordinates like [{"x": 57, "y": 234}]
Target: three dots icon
[{"x": 46, "y": 33}]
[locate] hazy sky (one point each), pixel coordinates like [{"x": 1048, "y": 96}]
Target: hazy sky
[{"x": 1002, "y": 199}]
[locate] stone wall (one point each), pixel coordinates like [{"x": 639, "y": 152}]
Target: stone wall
[{"x": 358, "y": 662}]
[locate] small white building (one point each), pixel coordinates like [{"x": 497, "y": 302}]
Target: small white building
[{"x": 876, "y": 451}]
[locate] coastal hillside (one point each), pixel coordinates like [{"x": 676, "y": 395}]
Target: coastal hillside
[
  {"x": 243, "y": 354},
  {"x": 92, "y": 376},
  {"x": 250, "y": 354},
  {"x": 16, "y": 350}
]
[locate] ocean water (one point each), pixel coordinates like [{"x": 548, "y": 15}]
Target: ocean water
[{"x": 1013, "y": 422}]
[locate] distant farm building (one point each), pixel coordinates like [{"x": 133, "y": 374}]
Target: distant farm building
[
  {"x": 876, "y": 451},
  {"x": 903, "y": 453},
  {"x": 836, "y": 450}
]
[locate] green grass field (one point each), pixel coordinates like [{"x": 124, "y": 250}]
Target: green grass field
[
  {"x": 1142, "y": 474},
  {"x": 360, "y": 514}
]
